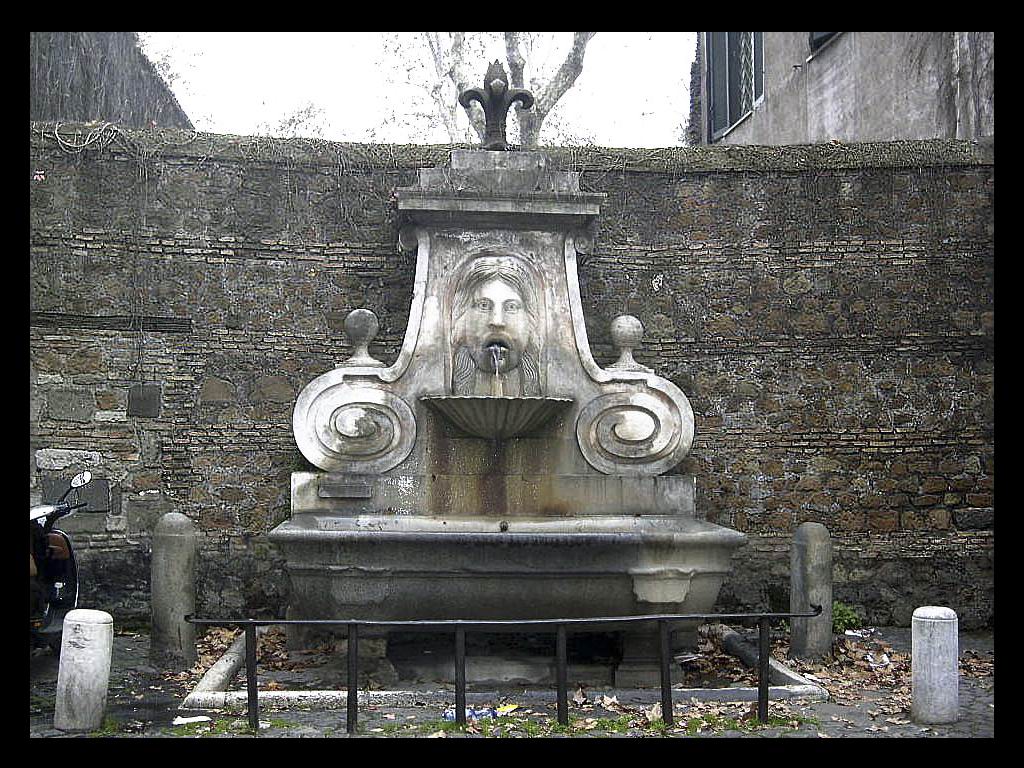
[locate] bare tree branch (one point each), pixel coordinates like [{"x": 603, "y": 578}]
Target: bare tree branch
[
  {"x": 566, "y": 75},
  {"x": 530, "y": 121},
  {"x": 461, "y": 77},
  {"x": 516, "y": 60},
  {"x": 437, "y": 91}
]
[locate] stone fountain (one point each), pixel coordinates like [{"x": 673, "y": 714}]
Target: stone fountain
[{"x": 494, "y": 470}]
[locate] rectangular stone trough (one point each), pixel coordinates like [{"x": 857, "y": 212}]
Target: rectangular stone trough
[{"x": 419, "y": 567}]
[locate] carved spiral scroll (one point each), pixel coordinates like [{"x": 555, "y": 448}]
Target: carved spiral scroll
[
  {"x": 357, "y": 429},
  {"x": 635, "y": 433}
]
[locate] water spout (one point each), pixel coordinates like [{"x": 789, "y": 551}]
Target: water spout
[{"x": 498, "y": 358}]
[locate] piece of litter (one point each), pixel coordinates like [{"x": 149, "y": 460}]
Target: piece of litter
[
  {"x": 861, "y": 633},
  {"x": 187, "y": 720},
  {"x": 471, "y": 713}
]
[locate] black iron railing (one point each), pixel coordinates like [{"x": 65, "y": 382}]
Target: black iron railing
[{"x": 461, "y": 626}]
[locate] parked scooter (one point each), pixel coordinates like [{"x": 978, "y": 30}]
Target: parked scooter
[{"x": 53, "y": 570}]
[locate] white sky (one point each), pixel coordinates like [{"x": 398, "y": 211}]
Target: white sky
[{"x": 633, "y": 92}]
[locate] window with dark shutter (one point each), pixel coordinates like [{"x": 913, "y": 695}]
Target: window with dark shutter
[
  {"x": 735, "y": 78},
  {"x": 818, "y": 39}
]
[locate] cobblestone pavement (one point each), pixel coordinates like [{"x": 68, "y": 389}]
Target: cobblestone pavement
[{"x": 143, "y": 703}]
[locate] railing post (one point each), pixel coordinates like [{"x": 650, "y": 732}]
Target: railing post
[
  {"x": 460, "y": 675},
  {"x": 763, "y": 656},
  {"x": 250, "y": 677},
  {"x": 666, "y": 672},
  {"x": 352, "y": 697},
  {"x": 560, "y": 676}
]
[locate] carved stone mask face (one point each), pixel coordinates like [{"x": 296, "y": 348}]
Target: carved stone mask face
[{"x": 496, "y": 326}]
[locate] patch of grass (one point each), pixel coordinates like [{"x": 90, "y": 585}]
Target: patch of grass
[
  {"x": 110, "y": 727},
  {"x": 531, "y": 727},
  {"x": 659, "y": 725},
  {"x": 619, "y": 724},
  {"x": 238, "y": 726},
  {"x": 523, "y": 726},
  {"x": 427, "y": 726}
]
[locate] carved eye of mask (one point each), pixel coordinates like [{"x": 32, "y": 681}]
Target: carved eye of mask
[
  {"x": 512, "y": 305},
  {"x": 484, "y": 304}
]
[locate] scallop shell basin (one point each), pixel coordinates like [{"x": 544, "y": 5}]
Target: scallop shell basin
[{"x": 497, "y": 418}]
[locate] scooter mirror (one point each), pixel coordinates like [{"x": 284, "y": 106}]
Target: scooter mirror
[{"x": 81, "y": 479}]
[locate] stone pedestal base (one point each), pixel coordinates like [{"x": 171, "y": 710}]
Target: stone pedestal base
[
  {"x": 374, "y": 666},
  {"x": 641, "y": 659}
]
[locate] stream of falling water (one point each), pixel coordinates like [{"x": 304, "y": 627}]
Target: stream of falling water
[{"x": 497, "y": 356}]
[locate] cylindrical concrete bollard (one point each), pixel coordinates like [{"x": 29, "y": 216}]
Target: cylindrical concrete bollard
[
  {"x": 84, "y": 670},
  {"x": 810, "y": 583},
  {"x": 173, "y": 591},
  {"x": 934, "y": 661}
]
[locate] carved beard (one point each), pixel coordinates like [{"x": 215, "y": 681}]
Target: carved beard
[{"x": 467, "y": 379}]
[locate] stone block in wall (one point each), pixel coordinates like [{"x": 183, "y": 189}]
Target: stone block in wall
[
  {"x": 216, "y": 390},
  {"x": 274, "y": 389},
  {"x": 144, "y": 400},
  {"x": 974, "y": 519},
  {"x": 96, "y": 494},
  {"x": 66, "y": 459},
  {"x": 110, "y": 400},
  {"x": 88, "y": 360},
  {"x": 143, "y": 510},
  {"x": 71, "y": 404}
]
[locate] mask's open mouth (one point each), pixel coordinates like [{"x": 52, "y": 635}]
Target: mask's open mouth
[{"x": 498, "y": 351}]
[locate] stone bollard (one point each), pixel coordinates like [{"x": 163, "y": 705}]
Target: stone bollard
[
  {"x": 173, "y": 591},
  {"x": 934, "y": 661},
  {"x": 810, "y": 583},
  {"x": 84, "y": 670}
]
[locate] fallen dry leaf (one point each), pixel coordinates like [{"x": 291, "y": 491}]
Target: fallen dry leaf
[{"x": 580, "y": 696}]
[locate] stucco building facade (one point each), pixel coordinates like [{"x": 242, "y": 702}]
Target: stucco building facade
[{"x": 811, "y": 87}]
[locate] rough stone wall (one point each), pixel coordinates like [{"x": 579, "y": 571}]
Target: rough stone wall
[{"x": 827, "y": 309}]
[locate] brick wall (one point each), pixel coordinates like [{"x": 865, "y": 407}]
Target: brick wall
[{"x": 827, "y": 310}]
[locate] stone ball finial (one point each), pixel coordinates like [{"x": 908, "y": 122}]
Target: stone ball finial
[
  {"x": 361, "y": 326},
  {"x": 627, "y": 333}
]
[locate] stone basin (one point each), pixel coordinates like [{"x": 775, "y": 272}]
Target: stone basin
[
  {"x": 494, "y": 417},
  {"x": 419, "y": 567}
]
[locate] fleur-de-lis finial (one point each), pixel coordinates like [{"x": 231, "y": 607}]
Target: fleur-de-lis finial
[{"x": 495, "y": 98}]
